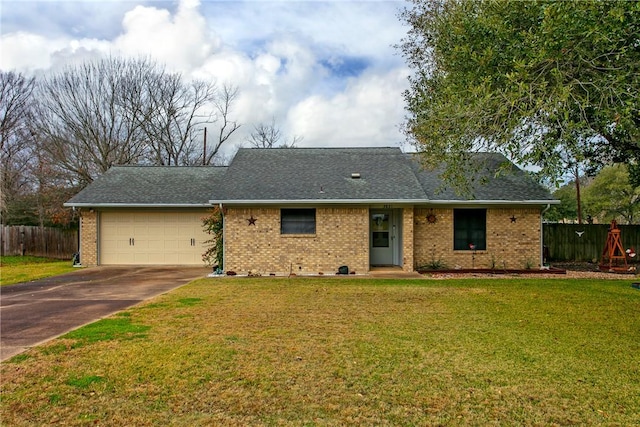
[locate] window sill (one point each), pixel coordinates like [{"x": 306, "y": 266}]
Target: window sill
[{"x": 298, "y": 236}]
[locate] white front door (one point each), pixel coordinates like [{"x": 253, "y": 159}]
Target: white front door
[{"x": 381, "y": 237}]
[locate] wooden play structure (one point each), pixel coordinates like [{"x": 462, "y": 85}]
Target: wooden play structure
[{"x": 614, "y": 257}]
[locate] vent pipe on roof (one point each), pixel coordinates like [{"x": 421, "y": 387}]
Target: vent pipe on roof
[{"x": 355, "y": 175}]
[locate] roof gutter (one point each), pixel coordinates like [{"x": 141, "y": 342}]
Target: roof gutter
[
  {"x": 137, "y": 205},
  {"x": 494, "y": 202},
  {"x": 387, "y": 201},
  {"x": 316, "y": 202}
]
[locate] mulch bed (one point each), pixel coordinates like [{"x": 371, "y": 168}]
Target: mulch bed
[
  {"x": 550, "y": 270},
  {"x": 569, "y": 270}
]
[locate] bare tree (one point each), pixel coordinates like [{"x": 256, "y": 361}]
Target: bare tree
[
  {"x": 177, "y": 112},
  {"x": 60, "y": 133},
  {"x": 32, "y": 188},
  {"x": 267, "y": 135},
  {"x": 223, "y": 103},
  {"x": 90, "y": 116},
  {"x": 118, "y": 111},
  {"x": 16, "y": 108}
]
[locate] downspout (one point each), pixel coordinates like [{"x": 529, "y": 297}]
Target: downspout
[
  {"x": 98, "y": 237},
  {"x": 223, "y": 237},
  {"x": 78, "y": 241},
  {"x": 542, "y": 235}
]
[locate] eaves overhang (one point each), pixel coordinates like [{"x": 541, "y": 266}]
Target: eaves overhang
[
  {"x": 137, "y": 205},
  {"x": 383, "y": 201},
  {"x": 493, "y": 202},
  {"x": 316, "y": 201}
]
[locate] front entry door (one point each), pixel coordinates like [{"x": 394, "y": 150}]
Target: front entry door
[{"x": 381, "y": 237}]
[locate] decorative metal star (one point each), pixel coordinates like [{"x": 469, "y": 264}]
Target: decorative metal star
[
  {"x": 252, "y": 220},
  {"x": 513, "y": 218}
]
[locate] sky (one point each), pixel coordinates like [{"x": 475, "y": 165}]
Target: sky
[{"x": 325, "y": 71}]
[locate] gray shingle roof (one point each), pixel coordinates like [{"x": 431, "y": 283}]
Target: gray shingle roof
[
  {"x": 308, "y": 175},
  {"x": 321, "y": 174},
  {"x": 510, "y": 184},
  {"x": 151, "y": 185}
]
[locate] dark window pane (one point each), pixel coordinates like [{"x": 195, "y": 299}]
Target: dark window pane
[
  {"x": 380, "y": 239},
  {"x": 297, "y": 221},
  {"x": 469, "y": 229}
]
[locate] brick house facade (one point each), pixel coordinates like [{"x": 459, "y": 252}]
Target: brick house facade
[
  {"x": 309, "y": 211},
  {"x": 342, "y": 238},
  {"x": 510, "y": 244}
]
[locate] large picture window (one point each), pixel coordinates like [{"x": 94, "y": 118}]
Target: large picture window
[
  {"x": 469, "y": 229},
  {"x": 297, "y": 221}
]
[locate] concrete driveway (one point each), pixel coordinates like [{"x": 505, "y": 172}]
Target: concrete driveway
[{"x": 34, "y": 312}]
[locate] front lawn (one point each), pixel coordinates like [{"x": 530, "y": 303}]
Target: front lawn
[
  {"x": 18, "y": 269},
  {"x": 348, "y": 351}
]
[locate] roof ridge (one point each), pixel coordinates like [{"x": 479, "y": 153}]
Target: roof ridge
[
  {"x": 169, "y": 166},
  {"x": 317, "y": 148}
]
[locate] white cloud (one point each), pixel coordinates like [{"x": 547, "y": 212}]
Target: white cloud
[
  {"x": 324, "y": 70},
  {"x": 279, "y": 75},
  {"x": 367, "y": 113},
  {"x": 182, "y": 41},
  {"x": 29, "y": 52},
  {"x": 25, "y": 51}
]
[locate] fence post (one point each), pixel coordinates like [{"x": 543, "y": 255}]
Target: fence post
[{"x": 22, "y": 245}]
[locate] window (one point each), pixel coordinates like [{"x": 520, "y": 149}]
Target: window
[
  {"x": 297, "y": 221},
  {"x": 470, "y": 229},
  {"x": 380, "y": 230}
]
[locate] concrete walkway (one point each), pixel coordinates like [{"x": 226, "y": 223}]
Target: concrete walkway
[
  {"x": 38, "y": 311},
  {"x": 393, "y": 273}
]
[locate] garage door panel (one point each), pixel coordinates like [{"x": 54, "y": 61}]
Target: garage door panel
[
  {"x": 140, "y": 258},
  {"x": 156, "y": 238},
  {"x": 140, "y": 244},
  {"x": 157, "y": 229}
]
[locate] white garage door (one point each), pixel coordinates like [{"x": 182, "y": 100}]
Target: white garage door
[{"x": 155, "y": 238}]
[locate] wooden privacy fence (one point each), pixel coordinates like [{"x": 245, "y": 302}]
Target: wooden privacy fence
[
  {"x": 573, "y": 242},
  {"x": 38, "y": 241}
]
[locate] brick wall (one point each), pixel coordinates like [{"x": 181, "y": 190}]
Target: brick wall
[
  {"x": 342, "y": 238},
  {"x": 510, "y": 244},
  {"x": 407, "y": 239},
  {"x": 88, "y": 238}
]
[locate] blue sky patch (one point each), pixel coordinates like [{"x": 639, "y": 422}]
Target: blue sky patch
[{"x": 345, "y": 66}]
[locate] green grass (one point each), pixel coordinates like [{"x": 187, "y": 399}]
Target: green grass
[
  {"x": 85, "y": 381},
  {"x": 114, "y": 328},
  {"x": 18, "y": 269},
  {"x": 314, "y": 351}
]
